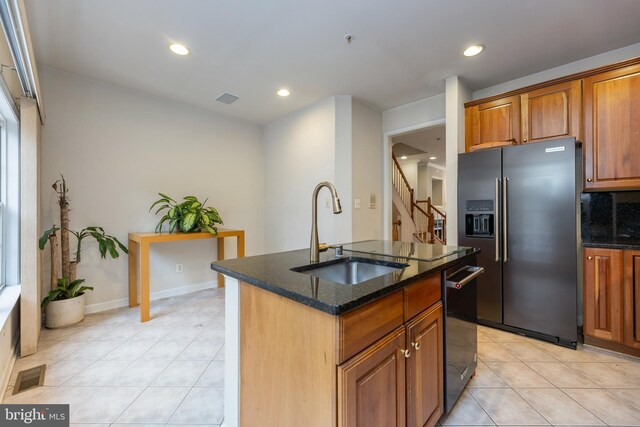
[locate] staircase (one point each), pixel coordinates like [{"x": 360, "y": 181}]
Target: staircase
[{"x": 429, "y": 223}]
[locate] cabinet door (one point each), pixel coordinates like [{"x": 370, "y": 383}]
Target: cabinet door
[
  {"x": 371, "y": 385},
  {"x": 612, "y": 129},
  {"x": 603, "y": 294},
  {"x": 632, "y": 298},
  {"x": 552, "y": 112},
  {"x": 493, "y": 123},
  {"x": 425, "y": 368}
]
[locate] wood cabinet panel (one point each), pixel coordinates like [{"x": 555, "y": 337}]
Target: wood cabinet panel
[
  {"x": 552, "y": 112},
  {"x": 364, "y": 326},
  {"x": 632, "y": 298},
  {"x": 425, "y": 370},
  {"x": 281, "y": 357},
  {"x": 603, "y": 313},
  {"x": 371, "y": 386},
  {"x": 612, "y": 131},
  {"x": 421, "y": 295},
  {"x": 493, "y": 122}
]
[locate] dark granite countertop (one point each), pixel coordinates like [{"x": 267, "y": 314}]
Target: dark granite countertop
[
  {"x": 613, "y": 245},
  {"x": 273, "y": 272}
]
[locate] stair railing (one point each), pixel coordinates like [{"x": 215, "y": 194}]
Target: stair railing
[
  {"x": 437, "y": 221},
  {"x": 401, "y": 184}
]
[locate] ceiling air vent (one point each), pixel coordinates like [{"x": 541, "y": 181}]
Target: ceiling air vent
[{"x": 227, "y": 98}]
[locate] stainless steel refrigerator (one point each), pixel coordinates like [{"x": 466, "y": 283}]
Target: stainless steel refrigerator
[{"x": 519, "y": 206}]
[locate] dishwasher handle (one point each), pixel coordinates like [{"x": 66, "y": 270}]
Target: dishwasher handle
[{"x": 473, "y": 271}]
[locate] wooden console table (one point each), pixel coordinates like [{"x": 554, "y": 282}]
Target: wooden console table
[{"x": 139, "y": 245}]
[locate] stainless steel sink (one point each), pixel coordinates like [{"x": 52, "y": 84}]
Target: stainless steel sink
[{"x": 350, "y": 270}]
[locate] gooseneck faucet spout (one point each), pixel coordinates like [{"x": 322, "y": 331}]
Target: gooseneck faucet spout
[{"x": 315, "y": 246}]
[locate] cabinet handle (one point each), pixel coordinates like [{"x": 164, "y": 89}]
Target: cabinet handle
[
  {"x": 589, "y": 257},
  {"x": 406, "y": 353},
  {"x": 415, "y": 345},
  {"x": 589, "y": 180},
  {"x": 524, "y": 140}
]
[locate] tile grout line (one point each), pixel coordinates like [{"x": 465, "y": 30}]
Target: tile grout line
[{"x": 516, "y": 392}]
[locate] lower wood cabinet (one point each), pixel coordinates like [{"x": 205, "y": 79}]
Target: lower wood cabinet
[
  {"x": 425, "y": 370},
  {"x": 379, "y": 365},
  {"x": 371, "y": 386},
  {"x": 603, "y": 311},
  {"x": 612, "y": 299},
  {"x": 397, "y": 381},
  {"x": 632, "y": 298}
]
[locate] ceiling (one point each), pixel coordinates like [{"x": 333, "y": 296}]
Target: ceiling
[
  {"x": 401, "y": 52},
  {"x": 431, "y": 141}
]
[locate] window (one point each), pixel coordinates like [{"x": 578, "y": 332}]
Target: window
[
  {"x": 9, "y": 191},
  {"x": 3, "y": 180}
]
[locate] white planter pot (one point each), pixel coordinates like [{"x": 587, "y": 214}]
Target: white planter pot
[{"x": 63, "y": 313}]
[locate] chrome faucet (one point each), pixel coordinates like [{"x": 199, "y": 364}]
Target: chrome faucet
[{"x": 315, "y": 247}]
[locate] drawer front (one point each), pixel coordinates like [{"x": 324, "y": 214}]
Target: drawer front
[
  {"x": 421, "y": 295},
  {"x": 365, "y": 325}
]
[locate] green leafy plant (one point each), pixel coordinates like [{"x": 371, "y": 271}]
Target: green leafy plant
[
  {"x": 66, "y": 290},
  {"x": 67, "y": 286},
  {"x": 188, "y": 216}
]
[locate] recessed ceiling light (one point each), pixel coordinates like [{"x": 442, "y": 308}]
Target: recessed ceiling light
[
  {"x": 403, "y": 158},
  {"x": 473, "y": 50},
  {"x": 432, "y": 158},
  {"x": 283, "y": 92},
  {"x": 179, "y": 49}
]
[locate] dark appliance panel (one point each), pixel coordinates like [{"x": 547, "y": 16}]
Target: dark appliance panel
[
  {"x": 540, "y": 251},
  {"x": 479, "y": 175}
]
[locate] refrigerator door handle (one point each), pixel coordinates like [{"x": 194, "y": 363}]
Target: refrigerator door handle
[
  {"x": 505, "y": 218},
  {"x": 496, "y": 220}
]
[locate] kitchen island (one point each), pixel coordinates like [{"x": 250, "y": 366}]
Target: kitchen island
[{"x": 301, "y": 349}]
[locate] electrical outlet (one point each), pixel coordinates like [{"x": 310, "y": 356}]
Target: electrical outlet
[
  {"x": 327, "y": 203},
  {"x": 179, "y": 268},
  {"x": 356, "y": 203}
]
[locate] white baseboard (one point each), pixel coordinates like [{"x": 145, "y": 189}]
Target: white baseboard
[{"x": 124, "y": 302}]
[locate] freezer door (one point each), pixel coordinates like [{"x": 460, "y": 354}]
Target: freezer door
[
  {"x": 477, "y": 175},
  {"x": 539, "y": 268}
]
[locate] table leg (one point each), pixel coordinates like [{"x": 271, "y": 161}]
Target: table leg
[
  {"x": 144, "y": 282},
  {"x": 133, "y": 273},
  {"x": 220, "y": 258},
  {"x": 240, "y": 239}
]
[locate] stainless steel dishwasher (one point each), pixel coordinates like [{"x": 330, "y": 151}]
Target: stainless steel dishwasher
[{"x": 460, "y": 329}]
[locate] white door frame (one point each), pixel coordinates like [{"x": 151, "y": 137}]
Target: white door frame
[{"x": 387, "y": 185}]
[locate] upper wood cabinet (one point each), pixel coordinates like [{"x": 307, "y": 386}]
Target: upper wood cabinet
[
  {"x": 493, "y": 123},
  {"x": 603, "y": 312},
  {"x": 632, "y": 298},
  {"x": 551, "y": 112},
  {"x": 612, "y": 129},
  {"x": 543, "y": 114}
]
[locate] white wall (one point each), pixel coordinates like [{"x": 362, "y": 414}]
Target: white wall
[
  {"x": 425, "y": 174},
  {"x": 596, "y": 61},
  {"x": 117, "y": 149},
  {"x": 456, "y": 95},
  {"x": 414, "y": 113},
  {"x": 337, "y": 140},
  {"x": 366, "y": 171},
  {"x": 299, "y": 152}
]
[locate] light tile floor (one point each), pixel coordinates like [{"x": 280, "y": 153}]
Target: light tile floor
[
  {"x": 522, "y": 381},
  {"x": 113, "y": 370}
]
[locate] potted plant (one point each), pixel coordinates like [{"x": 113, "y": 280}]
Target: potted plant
[
  {"x": 188, "y": 216},
  {"x": 65, "y": 304}
]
